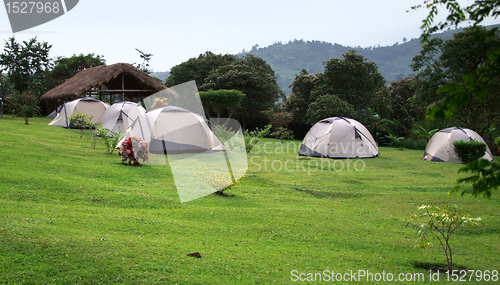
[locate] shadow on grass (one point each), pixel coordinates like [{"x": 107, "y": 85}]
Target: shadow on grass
[
  {"x": 436, "y": 267},
  {"x": 319, "y": 194}
]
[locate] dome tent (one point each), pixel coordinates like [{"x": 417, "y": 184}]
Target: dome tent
[
  {"x": 174, "y": 130},
  {"x": 440, "y": 146},
  {"x": 85, "y": 105},
  {"x": 339, "y": 137},
  {"x": 121, "y": 115}
]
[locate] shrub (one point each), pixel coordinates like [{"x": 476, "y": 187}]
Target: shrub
[
  {"x": 82, "y": 121},
  {"x": 252, "y": 138},
  {"x": 469, "y": 151},
  {"x": 497, "y": 142},
  {"x": 441, "y": 224},
  {"x": 279, "y": 122},
  {"x": 228, "y": 137},
  {"x": 108, "y": 137},
  {"x": 133, "y": 149},
  {"x": 22, "y": 105},
  {"x": 395, "y": 140},
  {"x": 418, "y": 144},
  {"x": 422, "y": 132}
]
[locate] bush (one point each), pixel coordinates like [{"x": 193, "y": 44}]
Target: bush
[
  {"x": 108, "y": 137},
  {"x": 418, "y": 144},
  {"x": 469, "y": 151},
  {"x": 252, "y": 138},
  {"x": 82, "y": 121},
  {"x": 22, "y": 105},
  {"x": 228, "y": 137},
  {"x": 497, "y": 142},
  {"x": 395, "y": 140},
  {"x": 441, "y": 223}
]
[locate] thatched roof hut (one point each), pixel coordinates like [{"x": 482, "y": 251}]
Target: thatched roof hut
[{"x": 120, "y": 79}]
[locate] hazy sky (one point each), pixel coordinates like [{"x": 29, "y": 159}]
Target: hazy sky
[{"x": 174, "y": 31}]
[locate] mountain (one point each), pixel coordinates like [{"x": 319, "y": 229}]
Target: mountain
[
  {"x": 288, "y": 59},
  {"x": 162, "y": 75}
]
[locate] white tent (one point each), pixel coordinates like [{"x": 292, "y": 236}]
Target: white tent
[
  {"x": 339, "y": 137},
  {"x": 121, "y": 115},
  {"x": 440, "y": 146},
  {"x": 174, "y": 130},
  {"x": 85, "y": 105}
]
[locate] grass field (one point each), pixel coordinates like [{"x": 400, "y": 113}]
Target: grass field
[{"x": 71, "y": 214}]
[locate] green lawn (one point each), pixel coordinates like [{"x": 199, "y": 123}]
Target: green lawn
[{"x": 71, "y": 214}]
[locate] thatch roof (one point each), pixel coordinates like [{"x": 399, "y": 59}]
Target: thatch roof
[{"x": 137, "y": 83}]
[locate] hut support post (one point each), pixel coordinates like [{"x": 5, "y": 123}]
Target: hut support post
[{"x": 123, "y": 88}]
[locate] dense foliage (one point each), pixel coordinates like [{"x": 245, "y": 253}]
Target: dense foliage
[
  {"x": 329, "y": 106},
  {"x": 198, "y": 69},
  {"x": 485, "y": 177},
  {"x": 67, "y": 67},
  {"x": 348, "y": 87},
  {"x": 221, "y": 103},
  {"x": 24, "y": 62},
  {"x": 442, "y": 67},
  {"x": 250, "y": 75}
]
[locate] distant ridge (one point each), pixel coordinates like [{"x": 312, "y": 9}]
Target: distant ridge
[{"x": 288, "y": 59}]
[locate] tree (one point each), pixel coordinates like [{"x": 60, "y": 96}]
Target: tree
[
  {"x": 485, "y": 177},
  {"x": 198, "y": 69},
  {"x": 67, "y": 67},
  {"x": 144, "y": 66},
  {"x": 23, "y": 62},
  {"x": 300, "y": 98},
  {"x": 352, "y": 78},
  {"x": 221, "y": 103},
  {"x": 400, "y": 94},
  {"x": 475, "y": 13},
  {"x": 442, "y": 67},
  {"x": 441, "y": 225},
  {"x": 252, "y": 76},
  {"x": 472, "y": 83},
  {"x": 430, "y": 77},
  {"x": 476, "y": 84},
  {"x": 329, "y": 106}
]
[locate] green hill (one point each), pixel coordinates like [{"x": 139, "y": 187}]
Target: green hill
[{"x": 288, "y": 59}]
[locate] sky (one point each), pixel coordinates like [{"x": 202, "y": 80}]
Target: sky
[{"x": 174, "y": 31}]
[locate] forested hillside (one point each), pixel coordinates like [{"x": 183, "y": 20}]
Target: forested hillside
[{"x": 288, "y": 59}]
